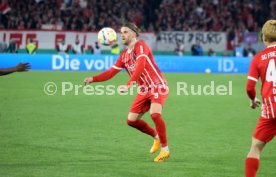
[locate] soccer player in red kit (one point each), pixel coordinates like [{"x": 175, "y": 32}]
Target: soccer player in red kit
[
  {"x": 137, "y": 59},
  {"x": 263, "y": 66}
]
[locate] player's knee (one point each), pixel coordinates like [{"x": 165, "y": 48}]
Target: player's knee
[
  {"x": 155, "y": 116},
  {"x": 257, "y": 145},
  {"x": 257, "y": 148},
  {"x": 130, "y": 122}
]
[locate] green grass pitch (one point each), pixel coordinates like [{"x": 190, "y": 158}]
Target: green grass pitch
[{"x": 87, "y": 136}]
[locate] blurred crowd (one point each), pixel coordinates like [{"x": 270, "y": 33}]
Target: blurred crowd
[
  {"x": 79, "y": 15},
  {"x": 149, "y": 15},
  {"x": 235, "y": 17},
  {"x": 212, "y": 15}
]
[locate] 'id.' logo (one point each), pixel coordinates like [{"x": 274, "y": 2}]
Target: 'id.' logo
[{"x": 226, "y": 66}]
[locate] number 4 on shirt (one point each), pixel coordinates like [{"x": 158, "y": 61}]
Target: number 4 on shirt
[{"x": 271, "y": 72}]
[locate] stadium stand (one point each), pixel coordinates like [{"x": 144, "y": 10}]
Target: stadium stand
[
  {"x": 150, "y": 15},
  {"x": 235, "y": 17}
]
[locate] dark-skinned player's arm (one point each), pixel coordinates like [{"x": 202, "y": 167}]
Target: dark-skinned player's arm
[
  {"x": 253, "y": 76},
  {"x": 20, "y": 67}
]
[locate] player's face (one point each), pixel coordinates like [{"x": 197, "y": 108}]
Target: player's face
[{"x": 127, "y": 35}]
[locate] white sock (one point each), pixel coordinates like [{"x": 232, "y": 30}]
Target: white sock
[
  {"x": 156, "y": 137},
  {"x": 166, "y": 148}
]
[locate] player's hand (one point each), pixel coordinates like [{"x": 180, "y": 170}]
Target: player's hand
[
  {"x": 255, "y": 103},
  {"x": 88, "y": 80},
  {"x": 123, "y": 88},
  {"x": 23, "y": 67}
]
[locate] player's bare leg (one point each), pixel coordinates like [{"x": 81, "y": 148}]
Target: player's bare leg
[
  {"x": 256, "y": 148},
  {"x": 134, "y": 120},
  {"x": 253, "y": 158},
  {"x": 134, "y": 116},
  {"x": 155, "y": 112}
]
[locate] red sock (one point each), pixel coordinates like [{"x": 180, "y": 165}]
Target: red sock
[
  {"x": 142, "y": 126},
  {"x": 251, "y": 167},
  {"x": 160, "y": 128}
]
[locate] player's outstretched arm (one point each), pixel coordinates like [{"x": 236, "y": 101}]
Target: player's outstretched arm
[
  {"x": 23, "y": 67},
  {"x": 102, "y": 77},
  {"x": 20, "y": 67}
]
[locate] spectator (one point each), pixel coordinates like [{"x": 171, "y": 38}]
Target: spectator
[
  {"x": 13, "y": 48},
  {"x": 239, "y": 51},
  {"x": 249, "y": 51},
  {"x": 115, "y": 48},
  {"x": 77, "y": 47},
  {"x": 62, "y": 47},
  {"x": 194, "y": 50},
  {"x": 179, "y": 49},
  {"x": 3, "y": 47},
  {"x": 197, "y": 50},
  {"x": 97, "y": 49},
  {"x": 211, "y": 53},
  {"x": 92, "y": 49},
  {"x": 31, "y": 47}
]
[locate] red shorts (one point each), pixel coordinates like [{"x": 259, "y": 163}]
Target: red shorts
[
  {"x": 265, "y": 129},
  {"x": 142, "y": 101}
]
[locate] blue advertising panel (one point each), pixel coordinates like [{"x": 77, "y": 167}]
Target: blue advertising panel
[{"x": 190, "y": 64}]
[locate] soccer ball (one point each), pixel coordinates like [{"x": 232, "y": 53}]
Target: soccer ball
[
  {"x": 107, "y": 36},
  {"x": 208, "y": 71}
]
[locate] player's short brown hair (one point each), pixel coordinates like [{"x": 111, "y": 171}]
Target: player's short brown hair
[
  {"x": 133, "y": 27},
  {"x": 269, "y": 30}
]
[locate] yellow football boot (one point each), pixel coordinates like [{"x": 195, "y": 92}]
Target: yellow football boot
[
  {"x": 163, "y": 155},
  {"x": 155, "y": 146}
]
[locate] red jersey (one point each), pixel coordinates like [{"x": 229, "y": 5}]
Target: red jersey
[
  {"x": 150, "y": 75},
  {"x": 263, "y": 66}
]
